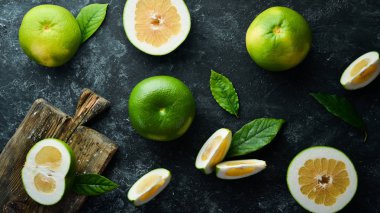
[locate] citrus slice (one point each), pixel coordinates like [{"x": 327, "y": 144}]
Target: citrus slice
[
  {"x": 322, "y": 179},
  {"x": 156, "y": 27},
  {"x": 48, "y": 171},
  {"x": 361, "y": 72},
  {"x": 149, "y": 186},
  {"x": 214, "y": 150},
  {"x": 237, "y": 169}
]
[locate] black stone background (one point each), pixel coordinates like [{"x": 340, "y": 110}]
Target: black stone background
[{"x": 110, "y": 65}]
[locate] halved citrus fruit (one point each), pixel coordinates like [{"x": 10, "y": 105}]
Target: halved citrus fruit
[
  {"x": 361, "y": 72},
  {"x": 237, "y": 169},
  {"x": 322, "y": 179},
  {"x": 214, "y": 150},
  {"x": 149, "y": 186},
  {"x": 48, "y": 171},
  {"x": 156, "y": 27}
]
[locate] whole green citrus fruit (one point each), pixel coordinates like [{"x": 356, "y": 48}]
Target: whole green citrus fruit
[
  {"x": 278, "y": 39},
  {"x": 161, "y": 108},
  {"x": 50, "y": 35}
]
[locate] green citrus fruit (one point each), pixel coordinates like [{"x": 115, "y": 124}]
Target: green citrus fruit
[
  {"x": 50, "y": 35},
  {"x": 161, "y": 108},
  {"x": 278, "y": 39}
]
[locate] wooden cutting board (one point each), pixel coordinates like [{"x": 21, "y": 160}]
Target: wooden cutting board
[{"x": 92, "y": 149}]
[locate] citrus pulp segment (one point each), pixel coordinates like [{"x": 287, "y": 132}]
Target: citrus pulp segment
[
  {"x": 48, "y": 171},
  {"x": 149, "y": 186},
  {"x": 322, "y": 179},
  {"x": 237, "y": 169},
  {"x": 361, "y": 72},
  {"x": 156, "y": 27},
  {"x": 214, "y": 150}
]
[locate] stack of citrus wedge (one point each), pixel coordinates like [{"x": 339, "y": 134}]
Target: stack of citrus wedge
[{"x": 213, "y": 152}]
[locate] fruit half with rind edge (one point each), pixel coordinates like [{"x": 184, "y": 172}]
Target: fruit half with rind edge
[
  {"x": 322, "y": 179},
  {"x": 361, "y": 72},
  {"x": 214, "y": 150},
  {"x": 156, "y": 27},
  {"x": 237, "y": 169},
  {"x": 48, "y": 171},
  {"x": 149, "y": 186}
]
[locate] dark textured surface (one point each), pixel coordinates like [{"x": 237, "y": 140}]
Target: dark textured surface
[{"x": 111, "y": 66}]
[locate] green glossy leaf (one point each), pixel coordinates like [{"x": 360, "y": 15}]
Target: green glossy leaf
[
  {"x": 254, "y": 136},
  {"x": 341, "y": 108},
  {"x": 224, "y": 93},
  {"x": 90, "y": 18},
  {"x": 93, "y": 184}
]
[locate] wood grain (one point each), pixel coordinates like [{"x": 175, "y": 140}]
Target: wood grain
[{"x": 92, "y": 149}]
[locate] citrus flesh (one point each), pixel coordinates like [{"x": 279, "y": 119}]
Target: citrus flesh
[
  {"x": 322, "y": 179},
  {"x": 50, "y": 35},
  {"x": 278, "y": 39},
  {"x": 149, "y": 186},
  {"x": 214, "y": 150},
  {"x": 161, "y": 108},
  {"x": 239, "y": 168},
  {"x": 361, "y": 72},
  {"x": 48, "y": 171},
  {"x": 156, "y": 27}
]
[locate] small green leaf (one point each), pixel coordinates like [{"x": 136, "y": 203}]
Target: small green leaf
[
  {"x": 93, "y": 184},
  {"x": 341, "y": 108},
  {"x": 254, "y": 136},
  {"x": 224, "y": 93},
  {"x": 90, "y": 18}
]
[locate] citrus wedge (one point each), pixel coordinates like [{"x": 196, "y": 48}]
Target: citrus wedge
[
  {"x": 361, "y": 72},
  {"x": 48, "y": 171},
  {"x": 322, "y": 179},
  {"x": 149, "y": 186},
  {"x": 156, "y": 27},
  {"x": 214, "y": 150},
  {"x": 237, "y": 169}
]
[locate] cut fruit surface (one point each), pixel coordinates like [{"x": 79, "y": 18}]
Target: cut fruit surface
[
  {"x": 361, "y": 72},
  {"x": 214, "y": 150},
  {"x": 156, "y": 27},
  {"x": 149, "y": 186},
  {"x": 48, "y": 171},
  {"x": 322, "y": 179},
  {"x": 239, "y": 168}
]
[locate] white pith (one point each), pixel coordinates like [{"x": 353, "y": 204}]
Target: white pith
[
  {"x": 320, "y": 152},
  {"x": 174, "y": 41},
  {"x": 346, "y": 79},
  {"x": 31, "y": 169},
  {"x": 222, "y": 168},
  {"x": 205, "y": 164},
  {"x": 134, "y": 196}
]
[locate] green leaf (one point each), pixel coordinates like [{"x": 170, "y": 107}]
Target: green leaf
[
  {"x": 90, "y": 18},
  {"x": 254, "y": 136},
  {"x": 341, "y": 108},
  {"x": 224, "y": 93},
  {"x": 93, "y": 184}
]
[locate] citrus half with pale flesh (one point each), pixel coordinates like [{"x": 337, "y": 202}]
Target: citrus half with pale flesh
[
  {"x": 322, "y": 179},
  {"x": 156, "y": 27}
]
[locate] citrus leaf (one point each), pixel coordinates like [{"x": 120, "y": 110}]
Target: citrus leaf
[
  {"x": 93, "y": 184},
  {"x": 341, "y": 108},
  {"x": 224, "y": 93},
  {"x": 90, "y": 18},
  {"x": 254, "y": 136}
]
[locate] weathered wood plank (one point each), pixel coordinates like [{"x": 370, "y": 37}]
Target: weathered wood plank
[{"x": 93, "y": 150}]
